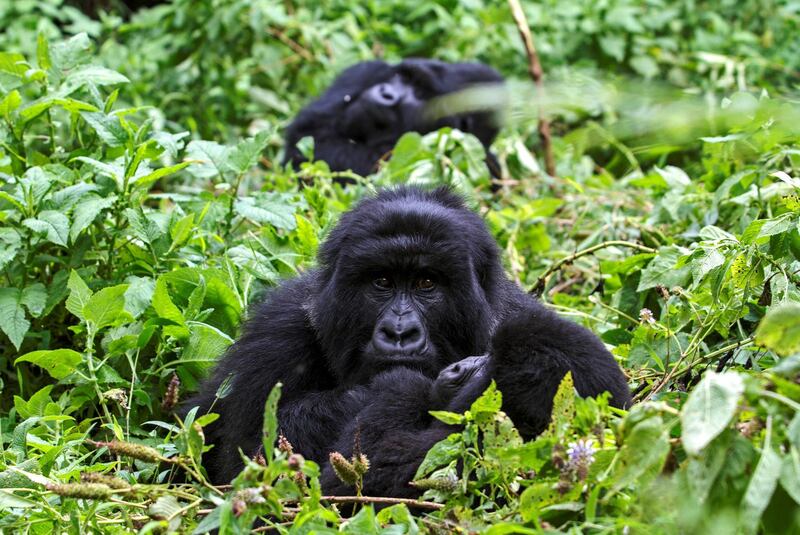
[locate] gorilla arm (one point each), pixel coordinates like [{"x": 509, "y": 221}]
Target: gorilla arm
[
  {"x": 278, "y": 345},
  {"x": 395, "y": 432},
  {"x": 532, "y": 350},
  {"x": 329, "y": 146}
]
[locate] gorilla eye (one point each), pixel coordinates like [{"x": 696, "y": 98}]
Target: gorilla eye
[
  {"x": 424, "y": 284},
  {"x": 383, "y": 283}
]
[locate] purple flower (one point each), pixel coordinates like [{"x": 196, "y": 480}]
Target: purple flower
[{"x": 581, "y": 457}]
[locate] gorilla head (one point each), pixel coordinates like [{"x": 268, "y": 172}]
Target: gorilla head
[
  {"x": 361, "y": 116},
  {"x": 406, "y": 279}
]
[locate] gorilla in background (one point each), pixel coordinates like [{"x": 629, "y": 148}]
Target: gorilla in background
[
  {"x": 409, "y": 282},
  {"x": 358, "y": 120}
]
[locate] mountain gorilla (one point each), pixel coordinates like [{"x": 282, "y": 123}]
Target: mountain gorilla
[
  {"x": 358, "y": 120},
  {"x": 409, "y": 282}
]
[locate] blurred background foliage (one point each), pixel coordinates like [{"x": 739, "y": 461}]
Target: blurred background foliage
[{"x": 142, "y": 211}]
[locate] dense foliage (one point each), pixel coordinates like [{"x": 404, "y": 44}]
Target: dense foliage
[{"x": 142, "y": 212}]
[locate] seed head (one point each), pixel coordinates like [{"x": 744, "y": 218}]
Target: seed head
[
  {"x": 172, "y": 393},
  {"x": 259, "y": 458},
  {"x": 344, "y": 469},
  {"x": 300, "y": 481},
  {"x": 284, "y": 445},
  {"x": 87, "y": 491},
  {"x": 296, "y": 461},
  {"x": 444, "y": 484},
  {"x": 128, "y": 449},
  {"x": 104, "y": 479},
  {"x": 360, "y": 464}
]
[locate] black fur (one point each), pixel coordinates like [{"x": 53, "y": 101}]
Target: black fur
[
  {"x": 346, "y": 345},
  {"x": 353, "y": 128}
]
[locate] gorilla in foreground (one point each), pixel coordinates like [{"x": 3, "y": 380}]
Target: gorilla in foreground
[
  {"x": 409, "y": 288},
  {"x": 358, "y": 120}
]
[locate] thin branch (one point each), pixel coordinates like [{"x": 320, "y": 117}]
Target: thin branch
[
  {"x": 535, "y": 70},
  {"x": 540, "y": 282},
  {"x": 419, "y": 504}
]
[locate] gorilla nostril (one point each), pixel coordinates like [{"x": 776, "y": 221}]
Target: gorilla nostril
[
  {"x": 387, "y": 94},
  {"x": 399, "y": 336},
  {"x": 388, "y": 335}
]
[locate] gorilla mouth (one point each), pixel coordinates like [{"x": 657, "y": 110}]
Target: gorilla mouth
[{"x": 423, "y": 360}]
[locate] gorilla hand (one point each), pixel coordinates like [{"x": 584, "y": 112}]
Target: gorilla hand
[{"x": 459, "y": 384}]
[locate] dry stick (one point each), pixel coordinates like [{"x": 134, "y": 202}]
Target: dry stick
[
  {"x": 390, "y": 501},
  {"x": 535, "y": 70}
]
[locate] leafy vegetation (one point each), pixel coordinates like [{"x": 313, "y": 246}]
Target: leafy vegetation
[{"x": 143, "y": 212}]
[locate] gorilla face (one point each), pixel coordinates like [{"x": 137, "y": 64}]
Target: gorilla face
[
  {"x": 357, "y": 121},
  {"x": 382, "y": 110},
  {"x": 456, "y": 376},
  {"x": 401, "y": 285}
]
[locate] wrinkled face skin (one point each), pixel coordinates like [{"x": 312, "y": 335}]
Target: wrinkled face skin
[
  {"x": 402, "y": 291},
  {"x": 382, "y": 110}
]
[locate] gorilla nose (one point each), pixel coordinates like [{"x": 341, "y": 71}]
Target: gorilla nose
[
  {"x": 386, "y": 94},
  {"x": 403, "y": 335}
]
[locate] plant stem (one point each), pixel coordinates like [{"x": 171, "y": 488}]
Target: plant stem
[
  {"x": 540, "y": 282},
  {"x": 535, "y": 70},
  {"x": 389, "y": 501}
]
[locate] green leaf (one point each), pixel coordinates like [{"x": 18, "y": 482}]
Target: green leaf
[
  {"x": 142, "y": 226},
  {"x": 760, "y": 489},
  {"x": 563, "y": 408},
  {"x": 13, "y": 63},
  {"x": 206, "y": 344},
  {"x": 79, "y": 295},
  {"x": 270, "y": 429},
  {"x": 702, "y": 471},
  {"x": 57, "y": 362},
  {"x": 246, "y": 154},
  {"x": 165, "y": 308},
  {"x": 644, "y": 452},
  {"x": 761, "y": 228},
  {"x": 146, "y": 180},
  {"x": 12, "y": 316},
  {"x": 487, "y": 405},
  {"x": 279, "y": 215},
  {"x": 42, "y": 52},
  {"x": 113, "y": 171},
  {"x": 211, "y": 158},
  {"x": 450, "y": 418},
  {"x": 93, "y": 74},
  {"x": 107, "y": 127},
  {"x": 790, "y": 473},
  {"x": 10, "y": 102},
  {"x": 662, "y": 270},
  {"x": 181, "y": 230},
  {"x": 707, "y": 260},
  {"x": 139, "y": 294},
  {"x": 54, "y": 225},
  {"x": 780, "y": 329},
  {"x": 709, "y": 409},
  {"x": 645, "y": 65},
  {"x": 441, "y": 454},
  {"x": 87, "y": 211},
  {"x": 107, "y": 306},
  {"x": 34, "y": 297},
  {"x": 9, "y": 501}
]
